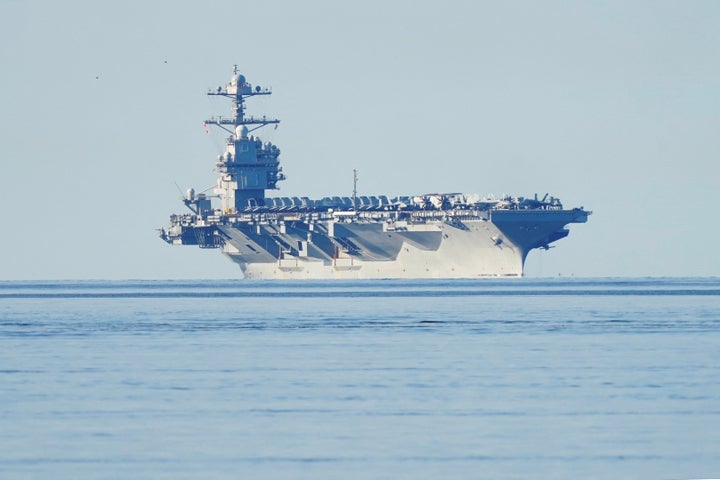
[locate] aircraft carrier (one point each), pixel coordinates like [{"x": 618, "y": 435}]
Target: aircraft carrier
[{"x": 435, "y": 235}]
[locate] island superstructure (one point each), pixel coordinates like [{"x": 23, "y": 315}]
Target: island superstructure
[{"x": 436, "y": 235}]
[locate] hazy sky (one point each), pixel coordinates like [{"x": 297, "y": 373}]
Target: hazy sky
[{"x": 610, "y": 105}]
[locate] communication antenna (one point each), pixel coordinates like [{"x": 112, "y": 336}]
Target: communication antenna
[{"x": 354, "y": 197}]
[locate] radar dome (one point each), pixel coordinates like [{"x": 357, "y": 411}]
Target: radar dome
[
  {"x": 241, "y": 132},
  {"x": 237, "y": 79}
]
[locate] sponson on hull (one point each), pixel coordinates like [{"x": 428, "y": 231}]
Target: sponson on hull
[{"x": 438, "y": 235}]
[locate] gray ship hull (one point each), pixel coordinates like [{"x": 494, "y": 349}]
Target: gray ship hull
[{"x": 347, "y": 246}]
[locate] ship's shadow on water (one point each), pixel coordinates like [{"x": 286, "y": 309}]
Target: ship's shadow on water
[{"x": 358, "y": 288}]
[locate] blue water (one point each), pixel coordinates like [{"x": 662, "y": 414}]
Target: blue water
[{"x": 518, "y": 379}]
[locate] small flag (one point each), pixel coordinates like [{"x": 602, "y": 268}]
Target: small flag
[{"x": 206, "y": 128}]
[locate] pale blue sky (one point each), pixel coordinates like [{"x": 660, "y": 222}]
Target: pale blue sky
[{"x": 612, "y": 105}]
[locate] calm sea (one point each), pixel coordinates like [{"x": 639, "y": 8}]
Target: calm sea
[{"x": 492, "y": 379}]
